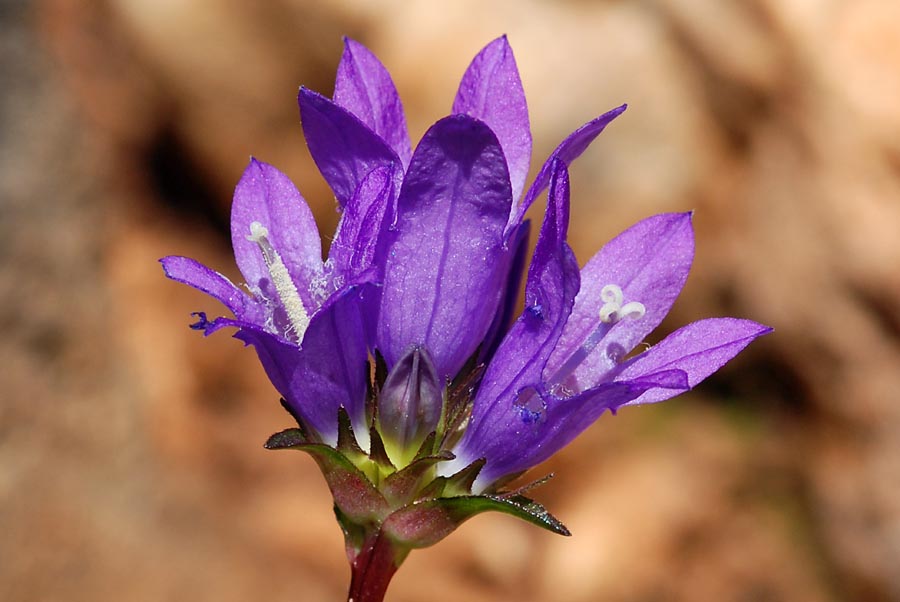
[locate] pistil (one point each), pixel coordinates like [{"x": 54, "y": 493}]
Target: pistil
[
  {"x": 611, "y": 313},
  {"x": 281, "y": 279}
]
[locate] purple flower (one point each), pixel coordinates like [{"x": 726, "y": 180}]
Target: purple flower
[
  {"x": 423, "y": 276},
  {"x": 303, "y": 315}
]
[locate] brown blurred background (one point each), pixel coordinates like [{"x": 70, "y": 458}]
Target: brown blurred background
[{"x": 131, "y": 460}]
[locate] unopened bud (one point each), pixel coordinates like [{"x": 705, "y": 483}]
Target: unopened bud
[{"x": 409, "y": 406}]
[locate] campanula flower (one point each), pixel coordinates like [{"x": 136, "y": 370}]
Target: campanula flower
[{"x": 417, "y": 386}]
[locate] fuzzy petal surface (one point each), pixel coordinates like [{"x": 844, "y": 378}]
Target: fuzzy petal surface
[
  {"x": 650, "y": 262},
  {"x": 698, "y": 349},
  {"x": 502, "y": 405},
  {"x": 267, "y": 196},
  {"x": 365, "y": 88},
  {"x": 505, "y": 312},
  {"x": 491, "y": 90},
  {"x": 344, "y": 148},
  {"x": 532, "y": 442},
  {"x": 327, "y": 372},
  {"x": 356, "y": 240},
  {"x": 195, "y": 274},
  {"x": 446, "y": 254}
]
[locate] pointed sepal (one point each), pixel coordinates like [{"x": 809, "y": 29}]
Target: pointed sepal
[
  {"x": 400, "y": 488},
  {"x": 424, "y": 523},
  {"x": 354, "y": 494}
]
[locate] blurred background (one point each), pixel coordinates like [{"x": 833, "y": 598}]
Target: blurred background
[{"x": 131, "y": 460}]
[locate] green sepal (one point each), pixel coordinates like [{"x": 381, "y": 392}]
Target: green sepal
[
  {"x": 346, "y": 441},
  {"x": 460, "y": 484},
  {"x": 456, "y": 484},
  {"x": 458, "y": 407},
  {"x": 400, "y": 487},
  {"x": 424, "y": 523},
  {"x": 354, "y": 534},
  {"x": 287, "y": 439},
  {"x": 377, "y": 452},
  {"x": 354, "y": 494},
  {"x": 427, "y": 447}
]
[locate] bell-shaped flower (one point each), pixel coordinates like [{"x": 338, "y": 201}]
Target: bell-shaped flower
[
  {"x": 304, "y": 316},
  {"x": 414, "y": 389},
  {"x": 568, "y": 358}
]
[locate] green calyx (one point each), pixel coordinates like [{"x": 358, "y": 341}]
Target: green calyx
[
  {"x": 410, "y": 505},
  {"x": 392, "y": 493}
]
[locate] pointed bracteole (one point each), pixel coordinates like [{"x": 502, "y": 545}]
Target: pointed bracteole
[
  {"x": 459, "y": 404},
  {"x": 427, "y": 447},
  {"x": 370, "y": 396},
  {"x": 377, "y": 452},
  {"x": 461, "y": 482},
  {"x": 519, "y": 491},
  {"x": 381, "y": 371},
  {"x": 375, "y": 382},
  {"x": 498, "y": 485},
  {"x": 287, "y": 439},
  {"x": 462, "y": 388},
  {"x": 466, "y": 371},
  {"x": 401, "y": 487},
  {"x": 531, "y": 511},
  {"x": 459, "y": 509},
  {"x": 310, "y": 435},
  {"x": 433, "y": 490},
  {"x": 346, "y": 442}
]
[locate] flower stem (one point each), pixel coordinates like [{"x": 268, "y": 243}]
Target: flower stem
[{"x": 372, "y": 569}]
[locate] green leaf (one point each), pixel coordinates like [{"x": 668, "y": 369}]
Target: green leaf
[{"x": 424, "y": 523}]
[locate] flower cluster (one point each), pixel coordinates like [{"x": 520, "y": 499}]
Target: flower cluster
[{"x": 418, "y": 387}]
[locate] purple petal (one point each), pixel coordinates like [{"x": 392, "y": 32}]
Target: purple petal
[
  {"x": 504, "y": 315},
  {"x": 491, "y": 91},
  {"x": 699, "y": 349},
  {"x": 327, "y": 372},
  {"x": 214, "y": 284},
  {"x": 500, "y": 410},
  {"x": 365, "y": 88},
  {"x": 569, "y": 150},
  {"x": 521, "y": 446},
  {"x": 446, "y": 253},
  {"x": 344, "y": 148},
  {"x": 650, "y": 262},
  {"x": 267, "y": 196},
  {"x": 357, "y": 236}
]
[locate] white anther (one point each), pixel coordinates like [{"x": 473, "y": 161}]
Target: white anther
[
  {"x": 633, "y": 310},
  {"x": 612, "y": 293},
  {"x": 281, "y": 279},
  {"x": 611, "y": 313},
  {"x": 613, "y": 310},
  {"x": 257, "y": 232}
]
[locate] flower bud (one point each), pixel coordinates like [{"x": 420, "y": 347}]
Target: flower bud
[{"x": 409, "y": 406}]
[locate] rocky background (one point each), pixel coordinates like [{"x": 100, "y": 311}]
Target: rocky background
[{"x": 131, "y": 460}]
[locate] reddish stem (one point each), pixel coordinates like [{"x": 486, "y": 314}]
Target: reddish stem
[{"x": 372, "y": 570}]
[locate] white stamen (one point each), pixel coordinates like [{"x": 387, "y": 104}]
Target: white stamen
[
  {"x": 611, "y": 312},
  {"x": 284, "y": 286},
  {"x": 633, "y": 310},
  {"x": 612, "y": 293}
]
